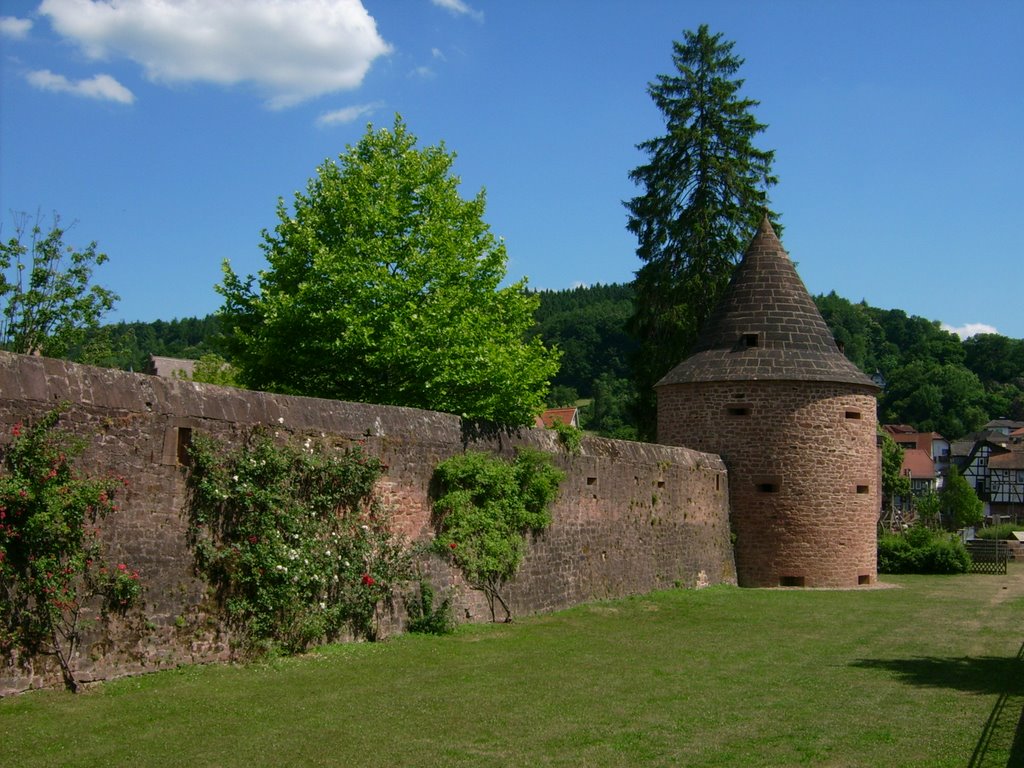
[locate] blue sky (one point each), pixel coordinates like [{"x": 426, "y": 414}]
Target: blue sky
[{"x": 167, "y": 129}]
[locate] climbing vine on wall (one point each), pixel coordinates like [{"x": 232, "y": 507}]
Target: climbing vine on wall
[
  {"x": 486, "y": 507},
  {"x": 293, "y": 540},
  {"x": 54, "y": 579}
]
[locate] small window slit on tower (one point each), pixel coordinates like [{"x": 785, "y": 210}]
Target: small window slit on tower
[{"x": 853, "y": 414}]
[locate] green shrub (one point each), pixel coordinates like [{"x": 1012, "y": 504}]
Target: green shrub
[
  {"x": 486, "y": 507},
  {"x": 1001, "y": 531},
  {"x": 921, "y": 550},
  {"x": 293, "y": 540},
  {"x": 427, "y": 618},
  {"x": 570, "y": 437}
]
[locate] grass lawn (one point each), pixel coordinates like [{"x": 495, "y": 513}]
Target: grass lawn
[{"x": 927, "y": 673}]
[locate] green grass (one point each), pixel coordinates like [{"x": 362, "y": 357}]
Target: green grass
[{"x": 929, "y": 673}]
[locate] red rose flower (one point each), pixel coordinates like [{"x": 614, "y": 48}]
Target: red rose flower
[
  {"x": 453, "y": 545},
  {"x": 368, "y": 580}
]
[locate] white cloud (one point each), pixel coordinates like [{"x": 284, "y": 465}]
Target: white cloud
[
  {"x": 102, "y": 87},
  {"x": 424, "y": 72},
  {"x": 969, "y": 329},
  {"x": 347, "y": 114},
  {"x": 14, "y": 28},
  {"x": 437, "y": 54},
  {"x": 459, "y": 8},
  {"x": 290, "y": 50}
]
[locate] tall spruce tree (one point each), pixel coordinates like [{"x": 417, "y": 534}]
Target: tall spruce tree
[{"x": 704, "y": 193}]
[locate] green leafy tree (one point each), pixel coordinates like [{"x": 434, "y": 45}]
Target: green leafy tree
[
  {"x": 214, "y": 369},
  {"x": 384, "y": 286},
  {"x": 941, "y": 397},
  {"x": 588, "y": 324},
  {"x": 47, "y": 300},
  {"x": 958, "y": 503},
  {"x": 928, "y": 508},
  {"x": 894, "y": 482},
  {"x": 994, "y": 357},
  {"x": 562, "y": 396},
  {"x": 704, "y": 193},
  {"x": 485, "y": 509},
  {"x": 855, "y": 327},
  {"x": 609, "y": 415}
]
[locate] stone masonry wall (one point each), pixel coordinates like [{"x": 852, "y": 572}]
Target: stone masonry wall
[
  {"x": 631, "y": 517},
  {"x": 803, "y": 474}
]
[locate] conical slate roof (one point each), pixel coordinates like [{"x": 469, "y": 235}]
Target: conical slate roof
[{"x": 766, "y": 327}]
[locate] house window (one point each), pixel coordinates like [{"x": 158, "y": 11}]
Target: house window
[
  {"x": 791, "y": 581},
  {"x": 863, "y": 489},
  {"x": 853, "y": 414},
  {"x": 738, "y": 410},
  {"x": 767, "y": 487},
  {"x": 751, "y": 340}
]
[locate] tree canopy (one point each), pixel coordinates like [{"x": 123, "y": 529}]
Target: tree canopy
[
  {"x": 935, "y": 381},
  {"x": 958, "y": 503},
  {"x": 704, "y": 191},
  {"x": 48, "y": 301},
  {"x": 384, "y": 286}
]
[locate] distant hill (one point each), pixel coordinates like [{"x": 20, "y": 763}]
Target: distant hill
[{"x": 934, "y": 381}]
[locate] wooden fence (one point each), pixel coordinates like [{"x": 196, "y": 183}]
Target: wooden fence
[{"x": 988, "y": 555}]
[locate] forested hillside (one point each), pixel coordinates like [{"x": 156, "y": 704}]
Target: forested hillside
[
  {"x": 934, "y": 381},
  {"x": 129, "y": 345}
]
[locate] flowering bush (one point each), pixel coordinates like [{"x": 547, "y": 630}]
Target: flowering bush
[
  {"x": 293, "y": 540},
  {"x": 486, "y": 507},
  {"x": 51, "y": 560}
]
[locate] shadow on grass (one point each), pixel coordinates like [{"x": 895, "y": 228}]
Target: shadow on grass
[{"x": 1003, "y": 734}]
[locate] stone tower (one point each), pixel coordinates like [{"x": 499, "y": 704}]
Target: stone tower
[{"x": 794, "y": 421}]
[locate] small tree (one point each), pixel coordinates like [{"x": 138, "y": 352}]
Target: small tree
[
  {"x": 959, "y": 504},
  {"x": 894, "y": 482},
  {"x": 928, "y": 509},
  {"x": 486, "y": 507},
  {"x": 48, "y": 301}
]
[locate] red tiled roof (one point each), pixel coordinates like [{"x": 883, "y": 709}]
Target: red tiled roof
[
  {"x": 566, "y": 416},
  {"x": 918, "y": 464}
]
